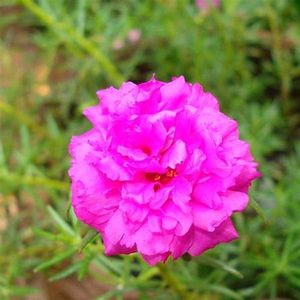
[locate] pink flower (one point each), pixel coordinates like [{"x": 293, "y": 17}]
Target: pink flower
[
  {"x": 205, "y": 4},
  {"x": 134, "y": 36},
  {"x": 161, "y": 171},
  {"x": 118, "y": 44}
]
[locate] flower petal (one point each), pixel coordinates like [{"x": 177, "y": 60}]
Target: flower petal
[
  {"x": 206, "y": 240},
  {"x": 175, "y": 155}
]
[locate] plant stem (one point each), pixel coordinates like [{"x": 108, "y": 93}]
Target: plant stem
[
  {"x": 281, "y": 60},
  {"x": 173, "y": 282},
  {"x": 34, "y": 181},
  {"x": 22, "y": 118},
  {"x": 76, "y": 37}
]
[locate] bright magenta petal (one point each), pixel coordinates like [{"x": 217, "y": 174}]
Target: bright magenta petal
[
  {"x": 161, "y": 171},
  {"x": 206, "y": 240}
]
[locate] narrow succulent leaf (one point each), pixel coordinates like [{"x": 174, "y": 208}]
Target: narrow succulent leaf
[
  {"x": 55, "y": 260},
  {"x": 63, "y": 225}
]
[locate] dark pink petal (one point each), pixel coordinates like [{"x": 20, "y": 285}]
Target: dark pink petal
[
  {"x": 169, "y": 223},
  {"x": 149, "y": 243},
  {"x": 162, "y": 170},
  {"x": 113, "y": 170},
  {"x": 198, "y": 98},
  {"x": 181, "y": 244},
  {"x": 134, "y": 154},
  {"x": 112, "y": 232},
  {"x": 184, "y": 219},
  {"x": 160, "y": 197},
  {"x": 206, "y": 240},
  {"x": 174, "y": 93},
  {"x": 194, "y": 162},
  {"x": 116, "y": 249},
  {"x": 154, "y": 259},
  {"x": 119, "y": 101},
  {"x": 207, "y": 191},
  {"x": 181, "y": 193},
  {"x": 209, "y": 219},
  {"x": 235, "y": 201},
  {"x": 141, "y": 192},
  {"x": 154, "y": 223},
  {"x": 175, "y": 155}
]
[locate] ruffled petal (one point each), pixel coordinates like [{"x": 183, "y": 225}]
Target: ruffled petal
[
  {"x": 206, "y": 240},
  {"x": 174, "y": 93},
  {"x": 175, "y": 155},
  {"x": 114, "y": 171},
  {"x": 161, "y": 171},
  {"x": 181, "y": 193}
]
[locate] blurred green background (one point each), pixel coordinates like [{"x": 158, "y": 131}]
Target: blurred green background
[{"x": 55, "y": 54}]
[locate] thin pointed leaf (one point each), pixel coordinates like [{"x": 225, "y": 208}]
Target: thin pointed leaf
[
  {"x": 220, "y": 264},
  {"x": 226, "y": 292},
  {"x": 55, "y": 260},
  {"x": 64, "y": 226},
  {"x": 88, "y": 238},
  {"x": 66, "y": 272},
  {"x": 255, "y": 205}
]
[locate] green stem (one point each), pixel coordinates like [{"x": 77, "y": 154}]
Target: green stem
[
  {"x": 34, "y": 181},
  {"x": 173, "y": 282},
  {"x": 85, "y": 44},
  {"x": 22, "y": 118},
  {"x": 281, "y": 60}
]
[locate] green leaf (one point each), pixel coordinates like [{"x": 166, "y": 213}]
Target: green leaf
[
  {"x": 63, "y": 225},
  {"x": 45, "y": 234},
  {"x": 108, "y": 265},
  {"x": 109, "y": 295},
  {"x": 55, "y": 260},
  {"x": 226, "y": 292},
  {"x": 88, "y": 238},
  {"x": 148, "y": 274},
  {"x": 66, "y": 272},
  {"x": 75, "y": 37},
  {"x": 220, "y": 264},
  {"x": 20, "y": 291},
  {"x": 258, "y": 209},
  {"x": 84, "y": 266}
]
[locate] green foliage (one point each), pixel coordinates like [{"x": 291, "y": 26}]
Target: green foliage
[{"x": 56, "y": 54}]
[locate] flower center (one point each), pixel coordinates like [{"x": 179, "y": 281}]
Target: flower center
[{"x": 161, "y": 178}]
